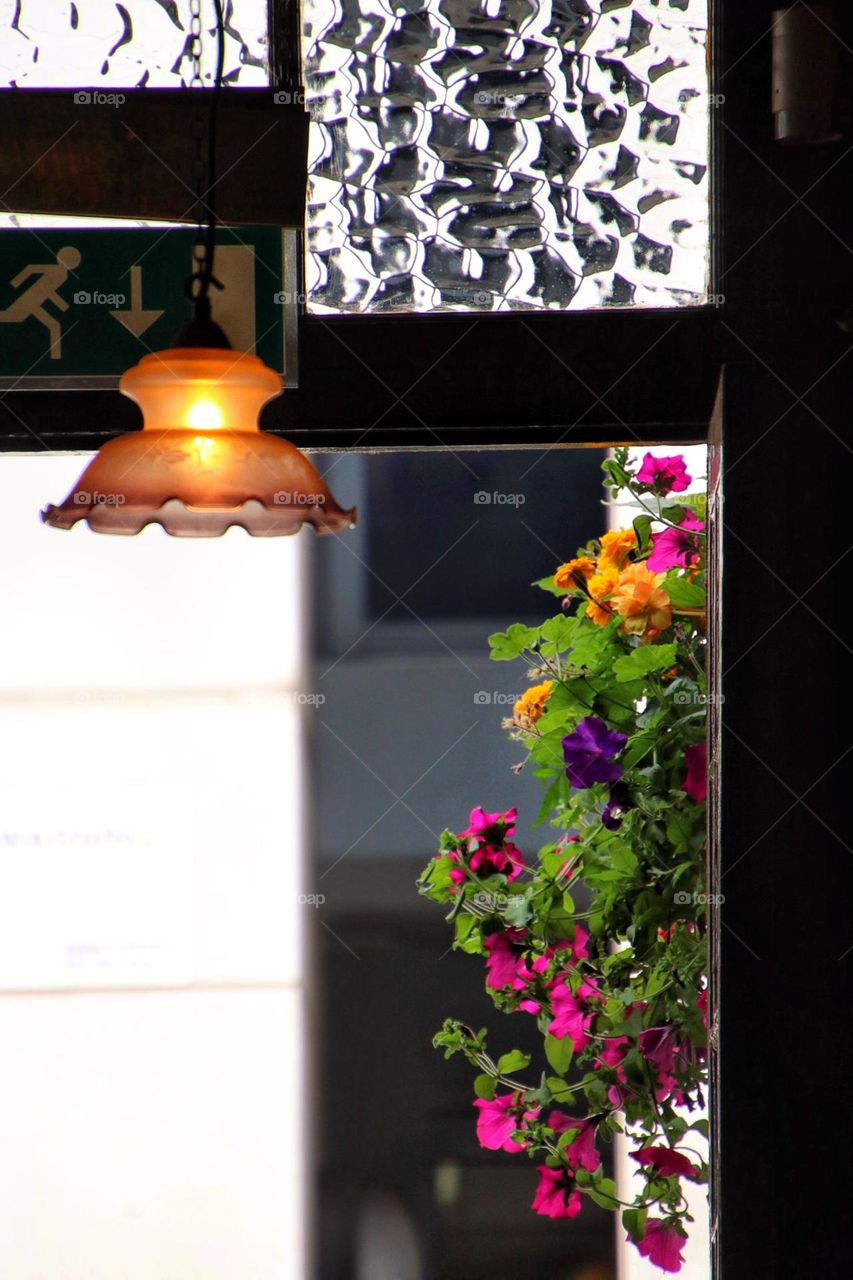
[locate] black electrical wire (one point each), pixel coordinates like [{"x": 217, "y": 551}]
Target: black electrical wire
[{"x": 202, "y": 331}]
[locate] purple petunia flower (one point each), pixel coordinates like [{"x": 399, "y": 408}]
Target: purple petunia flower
[
  {"x": 617, "y": 804},
  {"x": 588, "y": 753}
]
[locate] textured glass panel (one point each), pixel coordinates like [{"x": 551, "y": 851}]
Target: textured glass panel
[
  {"x": 53, "y": 44},
  {"x": 507, "y": 154}
]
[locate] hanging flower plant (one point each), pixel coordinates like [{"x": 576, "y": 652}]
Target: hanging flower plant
[{"x": 601, "y": 937}]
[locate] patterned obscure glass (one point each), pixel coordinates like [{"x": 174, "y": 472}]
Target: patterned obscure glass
[
  {"x": 53, "y": 44},
  {"x": 507, "y": 154}
]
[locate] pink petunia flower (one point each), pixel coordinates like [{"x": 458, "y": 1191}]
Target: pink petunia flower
[
  {"x": 491, "y": 849},
  {"x": 491, "y": 828},
  {"x": 572, "y": 1017},
  {"x": 555, "y": 1195},
  {"x": 576, "y": 947},
  {"x": 504, "y": 959},
  {"x": 664, "y": 475},
  {"x": 662, "y": 1246},
  {"x": 496, "y": 1122},
  {"x": 665, "y": 1161},
  {"x": 676, "y": 548},
  {"x": 661, "y": 1050},
  {"x": 581, "y": 1153},
  {"x": 696, "y": 779}
]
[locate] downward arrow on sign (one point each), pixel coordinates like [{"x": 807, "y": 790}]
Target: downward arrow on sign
[{"x": 136, "y": 320}]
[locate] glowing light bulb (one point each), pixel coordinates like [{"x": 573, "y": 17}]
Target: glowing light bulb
[
  {"x": 204, "y": 415},
  {"x": 205, "y": 448}
]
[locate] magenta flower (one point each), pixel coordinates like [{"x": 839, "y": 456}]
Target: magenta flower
[
  {"x": 659, "y": 1047},
  {"x": 702, "y": 1006},
  {"x": 581, "y": 1153},
  {"x": 614, "y": 1050},
  {"x": 555, "y": 1195},
  {"x": 491, "y": 850},
  {"x": 496, "y": 1122},
  {"x": 572, "y": 1017},
  {"x": 696, "y": 780},
  {"x": 588, "y": 753},
  {"x": 504, "y": 959},
  {"x": 676, "y": 548},
  {"x": 491, "y": 828},
  {"x": 664, "y": 475},
  {"x": 662, "y": 1245},
  {"x": 665, "y": 1161}
]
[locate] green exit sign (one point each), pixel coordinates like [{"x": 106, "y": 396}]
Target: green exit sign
[{"x": 79, "y": 306}]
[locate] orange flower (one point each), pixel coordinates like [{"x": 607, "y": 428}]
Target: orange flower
[
  {"x": 641, "y": 602},
  {"x": 570, "y": 575},
  {"x": 615, "y": 547},
  {"x": 530, "y": 707},
  {"x": 599, "y": 587}
]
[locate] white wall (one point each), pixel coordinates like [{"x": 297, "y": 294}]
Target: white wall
[{"x": 152, "y": 1006}]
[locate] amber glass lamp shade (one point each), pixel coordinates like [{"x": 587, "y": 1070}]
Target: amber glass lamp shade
[{"x": 200, "y": 464}]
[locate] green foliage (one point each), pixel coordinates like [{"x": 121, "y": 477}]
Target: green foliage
[{"x": 604, "y": 928}]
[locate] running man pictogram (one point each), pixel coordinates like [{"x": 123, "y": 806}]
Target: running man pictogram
[{"x": 50, "y": 277}]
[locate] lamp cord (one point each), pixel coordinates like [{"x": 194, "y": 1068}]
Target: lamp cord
[{"x": 198, "y": 284}]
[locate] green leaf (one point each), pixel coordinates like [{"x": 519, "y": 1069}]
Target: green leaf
[
  {"x": 548, "y": 584},
  {"x": 673, "y": 513},
  {"x": 593, "y": 648},
  {"x": 560, "y": 1091},
  {"x": 517, "y": 910},
  {"x": 558, "y": 790},
  {"x": 485, "y": 1086},
  {"x": 638, "y": 749},
  {"x": 510, "y": 644},
  {"x": 683, "y": 593},
  {"x": 643, "y": 530},
  {"x": 644, "y": 660},
  {"x": 618, "y": 475},
  {"x": 634, "y": 1222},
  {"x": 558, "y": 633},
  {"x": 559, "y": 1053},
  {"x": 604, "y": 1193},
  {"x": 515, "y": 1060}
]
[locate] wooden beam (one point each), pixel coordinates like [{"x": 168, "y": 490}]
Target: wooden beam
[{"x": 131, "y": 154}]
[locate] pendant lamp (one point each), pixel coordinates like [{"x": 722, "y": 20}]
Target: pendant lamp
[{"x": 201, "y": 464}]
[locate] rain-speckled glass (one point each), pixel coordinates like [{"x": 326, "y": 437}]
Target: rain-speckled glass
[
  {"x": 54, "y": 44},
  {"x": 495, "y": 155}
]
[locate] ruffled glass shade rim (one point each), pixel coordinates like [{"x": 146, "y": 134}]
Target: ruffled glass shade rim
[{"x": 179, "y": 519}]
